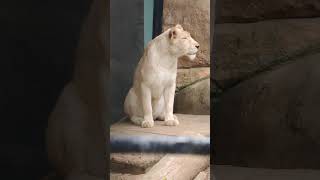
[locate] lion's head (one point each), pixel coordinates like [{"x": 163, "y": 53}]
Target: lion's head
[{"x": 181, "y": 42}]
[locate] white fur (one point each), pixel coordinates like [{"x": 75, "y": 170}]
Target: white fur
[{"x": 152, "y": 94}]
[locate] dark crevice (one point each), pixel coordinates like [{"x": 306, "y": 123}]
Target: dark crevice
[
  {"x": 192, "y": 83},
  {"x": 217, "y": 84}
]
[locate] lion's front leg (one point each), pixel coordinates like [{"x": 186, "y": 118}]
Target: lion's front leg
[
  {"x": 170, "y": 119},
  {"x": 146, "y": 106}
]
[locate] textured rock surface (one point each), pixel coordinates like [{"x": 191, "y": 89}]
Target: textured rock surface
[
  {"x": 194, "y": 16},
  {"x": 253, "y": 10},
  {"x": 187, "y": 76},
  {"x": 272, "y": 120},
  {"x": 242, "y": 49},
  {"x": 194, "y": 99}
]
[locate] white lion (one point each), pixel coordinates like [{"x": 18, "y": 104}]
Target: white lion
[{"x": 152, "y": 94}]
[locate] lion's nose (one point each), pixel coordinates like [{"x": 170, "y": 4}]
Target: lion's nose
[{"x": 197, "y": 46}]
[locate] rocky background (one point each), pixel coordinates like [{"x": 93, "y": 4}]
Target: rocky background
[
  {"x": 193, "y": 83},
  {"x": 267, "y": 74}
]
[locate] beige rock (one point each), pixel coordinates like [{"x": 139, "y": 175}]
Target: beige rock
[
  {"x": 204, "y": 175},
  {"x": 177, "y": 167},
  {"x": 120, "y": 176},
  {"x": 194, "y": 99},
  {"x": 133, "y": 163},
  {"x": 194, "y": 16},
  {"x": 243, "y": 49},
  {"x": 253, "y": 10},
  {"x": 272, "y": 120},
  {"x": 188, "y": 76}
]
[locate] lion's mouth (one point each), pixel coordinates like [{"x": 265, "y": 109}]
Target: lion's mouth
[{"x": 191, "y": 54}]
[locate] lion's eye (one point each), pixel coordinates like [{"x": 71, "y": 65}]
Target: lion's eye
[{"x": 184, "y": 38}]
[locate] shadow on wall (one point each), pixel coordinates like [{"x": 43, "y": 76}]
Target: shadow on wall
[
  {"x": 127, "y": 43},
  {"x": 37, "y": 47}
]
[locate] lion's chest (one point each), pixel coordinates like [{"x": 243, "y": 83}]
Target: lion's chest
[{"x": 159, "y": 81}]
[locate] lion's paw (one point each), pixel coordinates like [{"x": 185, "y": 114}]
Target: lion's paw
[
  {"x": 147, "y": 124},
  {"x": 172, "y": 122}
]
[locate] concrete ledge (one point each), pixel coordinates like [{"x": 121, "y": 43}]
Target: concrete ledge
[{"x": 190, "y": 125}]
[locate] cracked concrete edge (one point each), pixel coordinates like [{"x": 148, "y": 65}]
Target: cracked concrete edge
[
  {"x": 192, "y": 83},
  {"x": 133, "y": 163}
]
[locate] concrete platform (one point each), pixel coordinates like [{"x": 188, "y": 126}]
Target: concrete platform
[
  {"x": 131, "y": 166},
  {"x": 190, "y": 125}
]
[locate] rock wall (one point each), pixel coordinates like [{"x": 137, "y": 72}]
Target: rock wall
[
  {"x": 229, "y": 11},
  {"x": 266, "y": 70},
  {"x": 271, "y": 120},
  {"x": 194, "y": 16},
  {"x": 242, "y": 49}
]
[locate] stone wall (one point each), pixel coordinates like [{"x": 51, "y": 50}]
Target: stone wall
[
  {"x": 267, "y": 69},
  {"x": 193, "y": 85},
  {"x": 230, "y": 11}
]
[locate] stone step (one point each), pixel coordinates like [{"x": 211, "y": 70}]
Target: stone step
[
  {"x": 172, "y": 166},
  {"x": 134, "y": 163},
  {"x": 178, "y": 167}
]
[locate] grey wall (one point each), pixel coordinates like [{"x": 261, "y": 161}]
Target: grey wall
[{"x": 126, "y": 48}]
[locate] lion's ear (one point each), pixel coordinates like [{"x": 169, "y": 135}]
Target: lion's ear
[
  {"x": 179, "y": 26},
  {"x": 172, "y": 33}
]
